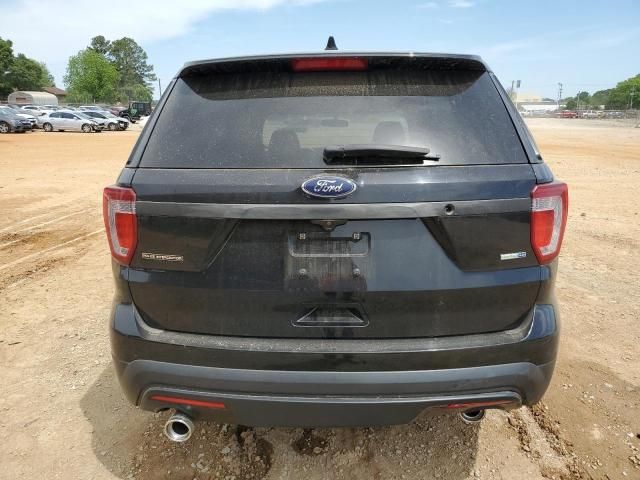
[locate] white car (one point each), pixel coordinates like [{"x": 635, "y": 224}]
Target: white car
[
  {"x": 36, "y": 110},
  {"x": 70, "y": 121}
]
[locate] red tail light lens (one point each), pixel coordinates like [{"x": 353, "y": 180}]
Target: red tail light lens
[
  {"x": 549, "y": 207},
  {"x": 119, "y": 211},
  {"x": 188, "y": 401},
  {"x": 320, "y": 64}
]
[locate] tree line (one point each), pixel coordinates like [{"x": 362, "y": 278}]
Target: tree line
[
  {"x": 19, "y": 72},
  {"x": 109, "y": 71},
  {"x": 624, "y": 95},
  {"x": 104, "y": 72}
]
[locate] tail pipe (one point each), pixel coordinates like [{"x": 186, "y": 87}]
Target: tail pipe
[
  {"x": 179, "y": 427},
  {"x": 472, "y": 416}
]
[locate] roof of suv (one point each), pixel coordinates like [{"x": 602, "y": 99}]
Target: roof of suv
[{"x": 381, "y": 59}]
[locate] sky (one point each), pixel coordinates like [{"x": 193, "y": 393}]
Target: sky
[{"x": 586, "y": 45}]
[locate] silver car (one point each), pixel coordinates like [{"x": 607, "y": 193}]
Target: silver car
[
  {"x": 70, "y": 121},
  {"x": 112, "y": 122},
  {"x": 24, "y": 115}
]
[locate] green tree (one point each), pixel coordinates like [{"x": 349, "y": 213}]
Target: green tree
[
  {"x": 130, "y": 60},
  {"x": 601, "y": 97},
  {"x": 621, "y": 96},
  {"x": 91, "y": 77},
  {"x": 47, "y": 79},
  {"x": 28, "y": 74},
  {"x": 571, "y": 104},
  {"x": 135, "y": 92},
  {"x": 6, "y": 60},
  {"x": 100, "y": 45},
  {"x": 584, "y": 98}
]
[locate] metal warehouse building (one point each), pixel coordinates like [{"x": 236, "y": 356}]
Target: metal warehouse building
[{"x": 32, "y": 98}]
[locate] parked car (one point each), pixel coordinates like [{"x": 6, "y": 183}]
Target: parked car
[
  {"x": 379, "y": 236},
  {"x": 64, "y": 120},
  {"x": 92, "y": 108},
  {"x": 590, "y": 114},
  {"x": 25, "y": 116},
  {"x": 112, "y": 122},
  {"x": 135, "y": 111},
  {"x": 116, "y": 110},
  {"x": 11, "y": 122},
  {"x": 567, "y": 114},
  {"x": 36, "y": 110}
]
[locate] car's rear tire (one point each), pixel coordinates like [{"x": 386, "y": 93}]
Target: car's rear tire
[
  {"x": 113, "y": 127},
  {"x": 86, "y": 128},
  {"x": 47, "y": 127},
  {"x": 4, "y": 127}
]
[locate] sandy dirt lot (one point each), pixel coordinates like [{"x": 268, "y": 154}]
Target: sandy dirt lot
[{"x": 62, "y": 414}]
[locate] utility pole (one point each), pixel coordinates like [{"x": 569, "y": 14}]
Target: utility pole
[
  {"x": 159, "y": 87},
  {"x": 578, "y": 102},
  {"x": 559, "y": 94},
  {"x": 631, "y": 95}
]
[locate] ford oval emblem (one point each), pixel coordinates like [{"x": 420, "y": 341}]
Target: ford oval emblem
[{"x": 329, "y": 186}]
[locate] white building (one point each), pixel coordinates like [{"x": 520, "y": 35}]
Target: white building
[{"x": 32, "y": 98}]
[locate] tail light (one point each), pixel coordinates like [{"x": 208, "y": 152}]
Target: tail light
[
  {"x": 319, "y": 64},
  {"x": 549, "y": 207},
  {"x": 119, "y": 211}
]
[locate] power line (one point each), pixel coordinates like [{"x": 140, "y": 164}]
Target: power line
[{"x": 559, "y": 94}]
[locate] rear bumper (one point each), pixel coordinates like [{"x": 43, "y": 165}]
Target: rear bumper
[{"x": 330, "y": 383}]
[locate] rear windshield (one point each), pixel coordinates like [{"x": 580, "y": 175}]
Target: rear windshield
[{"x": 285, "y": 120}]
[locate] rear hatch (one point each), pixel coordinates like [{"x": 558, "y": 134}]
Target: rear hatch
[{"x": 427, "y": 245}]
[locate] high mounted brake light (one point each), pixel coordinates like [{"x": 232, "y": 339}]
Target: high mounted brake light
[
  {"x": 319, "y": 64},
  {"x": 119, "y": 212},
  {"x": 549, "y": 208}
]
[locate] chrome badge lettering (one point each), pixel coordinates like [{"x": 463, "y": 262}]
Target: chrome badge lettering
[
  {"x": 512, "y": 256},
  {"x": 161, "y": 257}
]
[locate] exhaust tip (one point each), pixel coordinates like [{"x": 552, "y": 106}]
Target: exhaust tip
[
  {"x": 179, "y": 428},
  {"x": 472, "y": 416}
]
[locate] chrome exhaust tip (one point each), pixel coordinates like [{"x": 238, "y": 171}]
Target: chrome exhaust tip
[
  {"x": 472, "y": 416},
  {"x": 179, "y": 427}
]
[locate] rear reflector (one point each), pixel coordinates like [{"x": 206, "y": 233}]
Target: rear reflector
[
  {"x": 549, "y": 208},
  {"x": 319, "y": 64},
  {"x": 188, "y": 401},
  {"x": 119, "y": 212}
]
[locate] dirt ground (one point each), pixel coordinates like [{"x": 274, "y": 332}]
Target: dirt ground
[{"x": 62, "y": 414}]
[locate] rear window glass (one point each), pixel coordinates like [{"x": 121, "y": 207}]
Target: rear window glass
[{"x": 285, "y": 120}]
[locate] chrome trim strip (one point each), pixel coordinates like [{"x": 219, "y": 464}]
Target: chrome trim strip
[{"x": 333, "y": 211}]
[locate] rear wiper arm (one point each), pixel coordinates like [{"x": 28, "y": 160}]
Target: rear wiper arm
[{"x": 377, "y": 154}]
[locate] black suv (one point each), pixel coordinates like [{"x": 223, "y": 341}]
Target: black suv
[
  {"x": 135, "y": 111},
  {"x": 345, "y": 239}
]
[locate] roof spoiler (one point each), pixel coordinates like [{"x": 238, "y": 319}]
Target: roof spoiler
[{"x": 375, "y": 61}]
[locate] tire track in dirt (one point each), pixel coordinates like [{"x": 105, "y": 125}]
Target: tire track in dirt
[
  {"x": 42, "y": 224},
  {"x": 52, "y": 211},
  {"x": 50, "y": 249}
]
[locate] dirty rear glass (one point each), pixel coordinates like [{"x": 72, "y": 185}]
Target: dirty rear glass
[{"x": 284, "y": 120}]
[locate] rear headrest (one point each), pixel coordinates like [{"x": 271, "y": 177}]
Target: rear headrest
[
  {"x": 389, "y": 133},
  {"x": 282, "y": 141}
]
